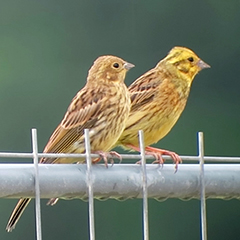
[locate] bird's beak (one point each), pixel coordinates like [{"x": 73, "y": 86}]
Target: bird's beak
[
  {"x": 128, "y": 65},
  {"x": 201, "y": 64}
]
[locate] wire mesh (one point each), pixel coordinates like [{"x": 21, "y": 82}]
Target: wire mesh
[{"x": 124, "y": 181}]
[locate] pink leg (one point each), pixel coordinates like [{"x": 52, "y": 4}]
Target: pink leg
[
  {"x": 157, "y": 153},
  {"x": 105, "y": 155},
  {"x": 161, "y": 152}
]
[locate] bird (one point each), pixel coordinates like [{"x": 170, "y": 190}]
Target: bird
[
  {"x": 102, "y": 106},
  {"x": 158, "y": 99}
]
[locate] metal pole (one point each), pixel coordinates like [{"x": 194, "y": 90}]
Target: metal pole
[
  {"x": 202, "y": 185},
  {"x": 124, "y": 156},
  {"x": 90, "y": 185},
  {"x": 37, "y": 188},
  {"x": 222, "y": 181},
  {"x": 144, "y": 186}
]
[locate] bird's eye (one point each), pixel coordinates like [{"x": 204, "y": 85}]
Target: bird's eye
[
  {"x": 190, "y": 59},
  {"x": 116, "y": 65}
]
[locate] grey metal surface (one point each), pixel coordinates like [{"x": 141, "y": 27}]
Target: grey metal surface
[
  {"x": 144, "y": 187},
  {"x": 37, "y": 186},
  {"x": 121, "y": 181},
  {"x": 124, "y": 156},
  {"x": 90, "y": 186},
  {"x": 202, "y": 186}
]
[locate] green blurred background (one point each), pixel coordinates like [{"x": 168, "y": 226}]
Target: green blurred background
[{"x": 46, "y": 49}]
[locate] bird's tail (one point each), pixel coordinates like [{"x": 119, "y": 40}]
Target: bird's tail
[{"x": 17, "y": 212}]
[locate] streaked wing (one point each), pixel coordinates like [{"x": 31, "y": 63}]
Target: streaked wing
[
  {"x": 144, "y": 89},
  {"x": 82, "y": 113}
]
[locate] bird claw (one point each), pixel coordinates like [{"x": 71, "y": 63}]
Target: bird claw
[
  {"x": 160, "y": 152},
  {"x": 157, "y": 156},
  {"x": 116, "y": 155},
  {"x": 175, "y": 157},
  {"x": 106, "y": 155},
  {"x": 157, "y": 153}
]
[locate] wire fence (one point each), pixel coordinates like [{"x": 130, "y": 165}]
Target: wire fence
[{"x": 122, "y": 181}]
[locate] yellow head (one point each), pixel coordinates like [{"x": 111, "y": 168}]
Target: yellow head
[
  {"x": 109, "y": 68},
  {"x": 184, "y": 61}
]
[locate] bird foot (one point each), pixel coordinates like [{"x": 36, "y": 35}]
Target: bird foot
[
  {"x": 158, "y": 155},
  {"x": 107, "y": 155}
]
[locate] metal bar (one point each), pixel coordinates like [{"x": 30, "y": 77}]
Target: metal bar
[
  {"x": 37, "y": 188},
  {"x": 144, "y": 186},
  {"x": 121, "y": 181},
  {"x": 202, "y": 186},
  {"x": 90, "y": 185},
  {"x": 124, "y": 156}
]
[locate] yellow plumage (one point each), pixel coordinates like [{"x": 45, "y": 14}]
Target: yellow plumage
[{"x": 158, "y": 98}]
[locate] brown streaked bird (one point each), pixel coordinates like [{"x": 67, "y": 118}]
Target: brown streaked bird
[
  {"x": 102, "y": 106},
  {"x": 158, "y": 98}
]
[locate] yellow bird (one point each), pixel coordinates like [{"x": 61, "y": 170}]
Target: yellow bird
[{"x": 158, "y": 98}]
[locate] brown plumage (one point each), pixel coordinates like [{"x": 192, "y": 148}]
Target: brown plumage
[
  {"x": 102, "y": 106},
  {"x": 158, "y": 98}
]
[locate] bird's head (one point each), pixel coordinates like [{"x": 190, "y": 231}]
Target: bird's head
[
  {"x": 109, "y": 68},
  {"x": 184, "y": 62}
]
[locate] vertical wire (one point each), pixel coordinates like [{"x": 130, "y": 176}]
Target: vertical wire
[
  {"x": 90, "y": 185},
  {"x": 144, "y": 182},
  {"x": 37, "y": 188},
  {"x": 202, "y": 185}
]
